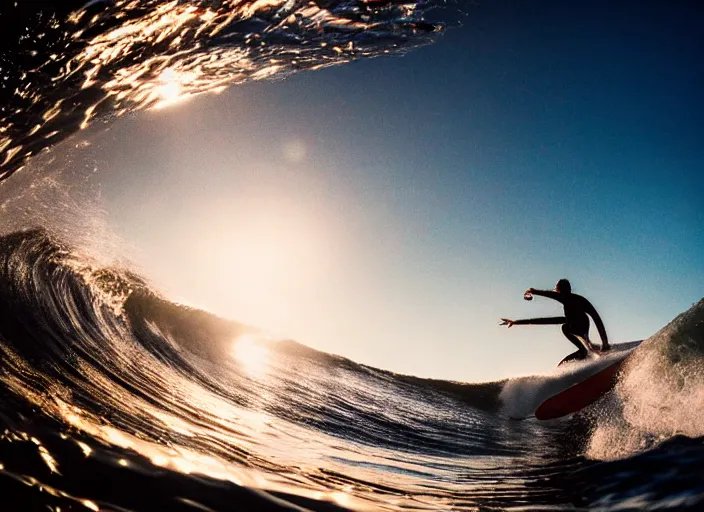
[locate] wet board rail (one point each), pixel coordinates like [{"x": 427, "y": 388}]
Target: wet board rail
[{"x": 586, "y": 392}]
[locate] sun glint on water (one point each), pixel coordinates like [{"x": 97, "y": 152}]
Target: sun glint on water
[{"x": 251, "y": 355}]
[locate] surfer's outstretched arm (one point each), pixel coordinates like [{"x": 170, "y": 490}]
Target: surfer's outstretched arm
[
  {"x": 550, "y": 294},
  {"x": 535, "y": 321},
  {"x": 542, "y": 321}
]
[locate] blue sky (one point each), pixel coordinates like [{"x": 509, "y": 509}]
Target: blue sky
[{"x": 392, "y": 210}]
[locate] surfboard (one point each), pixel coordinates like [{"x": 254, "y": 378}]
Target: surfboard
[{"x": 589, "y": 390}]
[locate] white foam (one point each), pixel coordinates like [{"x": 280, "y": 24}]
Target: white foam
[
  {"x": 521, "y": 396},
  {"x": 661, "y": 392}
]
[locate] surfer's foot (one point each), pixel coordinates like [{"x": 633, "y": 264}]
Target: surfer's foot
[{"x": 580, "y": 355}]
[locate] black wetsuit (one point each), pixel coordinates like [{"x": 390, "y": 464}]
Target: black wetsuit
[{"x": 575, "y": 323}]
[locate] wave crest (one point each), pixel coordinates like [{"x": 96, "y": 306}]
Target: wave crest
[
  {"x": 105, "y": 59},
  {"x": 660, "y": 393}
]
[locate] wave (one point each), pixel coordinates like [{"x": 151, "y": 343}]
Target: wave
[
  {"x": 52, "y": 295},
  {"x": 97, "y": 351},
  {"x": 660, "y": 392},
  {"x": 115, "y": 397},
  {"x": 103, "y": 336},
  {"x": 99, "y": 60},
  {"x": 68, "y": 322}
]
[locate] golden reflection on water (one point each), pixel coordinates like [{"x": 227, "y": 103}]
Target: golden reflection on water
[
  {"x": 46, "y": 456},
  {"x": 91, "y": 505},
  {"x": 276, "y": 461},
  {"x": 292, "y": 459},
  {"x": 87, "y": 450},
  {"x": 246, "y": 445}
]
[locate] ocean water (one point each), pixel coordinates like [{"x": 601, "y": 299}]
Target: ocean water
[{"x": 117, "y": 398}]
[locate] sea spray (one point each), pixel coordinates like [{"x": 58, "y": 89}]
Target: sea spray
[
  {"x": 521, "y": 396},
  {"x": 660, "y": 393}
]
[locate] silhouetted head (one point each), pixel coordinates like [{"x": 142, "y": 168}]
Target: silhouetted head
[{"x": 563, "y": 286}]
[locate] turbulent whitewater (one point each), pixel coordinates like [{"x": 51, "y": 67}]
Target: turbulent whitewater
[{"x": 117, "y": 398}]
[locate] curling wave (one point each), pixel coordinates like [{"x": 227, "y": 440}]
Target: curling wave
[
  {"x": 68, "y": 64},
  {"x": 116, "y": 398}
]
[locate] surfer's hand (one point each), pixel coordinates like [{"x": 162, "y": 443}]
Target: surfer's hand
[{"x": 506, "y": 321}]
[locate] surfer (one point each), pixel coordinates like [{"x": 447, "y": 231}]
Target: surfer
[{"x": 575, "y": 323}]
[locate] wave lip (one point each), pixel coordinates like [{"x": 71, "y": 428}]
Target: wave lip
[
  {"x": 660, "y": 393},
  {"x": 94, "y": 60}
]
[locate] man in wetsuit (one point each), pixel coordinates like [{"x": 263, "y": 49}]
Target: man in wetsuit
[{"x": 575, "y": 323}]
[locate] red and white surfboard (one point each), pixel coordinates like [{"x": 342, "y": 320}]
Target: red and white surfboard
[{"x": 590, "y": 389}]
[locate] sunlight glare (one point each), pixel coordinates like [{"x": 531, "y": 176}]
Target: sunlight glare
[
  {"x": 170, "y": 88},
  {"x": 252, "y": 355}
]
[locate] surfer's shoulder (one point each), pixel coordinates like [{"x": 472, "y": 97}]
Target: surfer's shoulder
[{"x": 582, "y": 301}]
